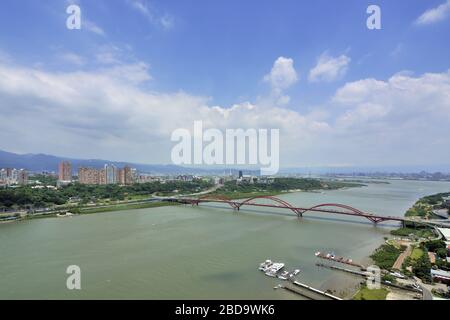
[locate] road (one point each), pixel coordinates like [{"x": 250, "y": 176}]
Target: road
[{"x": 401, "y": 258}]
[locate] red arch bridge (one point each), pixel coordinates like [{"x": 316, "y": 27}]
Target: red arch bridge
[{"x": 277, "y": 203}]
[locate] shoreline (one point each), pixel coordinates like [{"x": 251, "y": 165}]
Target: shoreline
[{"x": 156, "y": 204}]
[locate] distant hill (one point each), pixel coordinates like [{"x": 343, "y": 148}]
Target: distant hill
[{"x": 49, "y": 163}]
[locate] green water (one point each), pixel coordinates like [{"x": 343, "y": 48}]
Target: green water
[{"x": 193, "y": 252}]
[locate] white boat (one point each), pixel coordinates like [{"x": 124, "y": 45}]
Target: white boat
[
  {"x": 296, "y": 272},
  {"x": 283, "y": 275},
  {"x": 273, "y": 269},
  {"x": 265, "y": 265},
  {"x": 397, "y": 275}
]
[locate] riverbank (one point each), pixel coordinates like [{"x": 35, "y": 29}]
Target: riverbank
[
  {"x": 387, "y": 255},
  {"x": 91, "y": 210},
  {"x": 116, "y": 249},
  {"x": 344, "y": 286},
  {"x": 236, "y": 192}
]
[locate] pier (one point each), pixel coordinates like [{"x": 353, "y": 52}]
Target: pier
[
  {"x": 365, "y": 274},
  {"x": 339, "y": 260},
  {"x": 309, "y": 292},
  {"x": 355, "y": 272}
]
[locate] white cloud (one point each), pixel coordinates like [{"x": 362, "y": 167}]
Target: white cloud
[
  {"x": 329, "y": 69},
  {"x": 131, "y": 73},
  {"x": 435, "y": 14},
  {"x": 283, "y": 74},
  {"x": 92, "y": 27},
  {"x": 73, "y": 58},
  {"x": 403, "y": 120},
  {"x": 109, "y": 113},
  {"x": 165, "y": 21},
  {"x": 102, "y": 114}
]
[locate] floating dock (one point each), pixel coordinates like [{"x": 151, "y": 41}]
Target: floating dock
[
  {"x": 355, "y": 272},
  {"x": 332, "y": 257},
  {"x": 274, "y": 269}
]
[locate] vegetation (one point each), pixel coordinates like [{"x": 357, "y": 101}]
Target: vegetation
[
  {"x": 442, "y": 264},
  {"x": 441, "y": 293},
  {"x": 419, "y": 210},
  {"x": 26, "y": 197},
  {"x": 45, "y": 180},
  {"x": 235, "y": 190},
  {"x": 421, "y": 232},
  {"x": 122, "y": 207},
  {"x": 388, "y": 277},
  {"x": 435, "y": 199},
  {"x": 421, "y": 268},
  {"x": 386, "y": 255},
  {"x": 416, "y": 254},
  {"x": 419, "y": 260},
  {"x": 425, "y": 206},
  {"x": 371, "y": 294},
  {"x": 437, "y": 246}
]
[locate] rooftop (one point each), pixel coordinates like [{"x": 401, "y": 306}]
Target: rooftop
[
  {"x": 440, "y": 273},
  {"x": 445, "y": 232}
]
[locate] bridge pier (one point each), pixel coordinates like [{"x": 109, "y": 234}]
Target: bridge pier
[{"x": 298, "y": 211}]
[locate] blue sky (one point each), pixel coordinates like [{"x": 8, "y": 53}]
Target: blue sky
[
  {"x": 221, "y": 53},
  {"x": 223, "y": 48}
]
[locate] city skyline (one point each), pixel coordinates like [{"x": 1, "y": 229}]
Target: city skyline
[{"x": 350, "y": 97}]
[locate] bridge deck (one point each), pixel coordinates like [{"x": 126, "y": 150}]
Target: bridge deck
[{"x": 298, "y": 210}]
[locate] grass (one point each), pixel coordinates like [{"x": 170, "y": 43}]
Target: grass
[
  {"x": 375, "y": 294},
  {"x": 419, "y": 232},
  {"x": 416, "y": 254},
  {"x": 244, "y": 195},
  {"x": 127, "y": 207},
  {"x": 386, "y": 255}
]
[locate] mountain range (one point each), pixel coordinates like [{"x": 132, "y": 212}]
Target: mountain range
[{"x": 49, "y": 163}]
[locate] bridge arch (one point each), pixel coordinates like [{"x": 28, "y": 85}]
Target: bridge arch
[
  {"x": 346, "y": 207},
  {"x": 227, "y": 200},
  {"x": 284, "y": 204}
]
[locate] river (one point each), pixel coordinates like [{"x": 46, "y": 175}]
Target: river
[{"x": 204, "y": 252}]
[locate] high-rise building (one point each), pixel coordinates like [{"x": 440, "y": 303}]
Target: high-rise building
[
  {"x": 108, "y": 175},
  {"x": 102, "y": 176},
  {"x": 10, "y": 176},
  {"x": 88, "y": 176},
  {"x": 121, "y": 176},
  {"x": 111, "y": 173},
  {"x": 22, "y": 177},
  {"x": 65, "y": 171},
  {"x": 3, "y": 175},
  {"x": 128, "y": 175}
]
